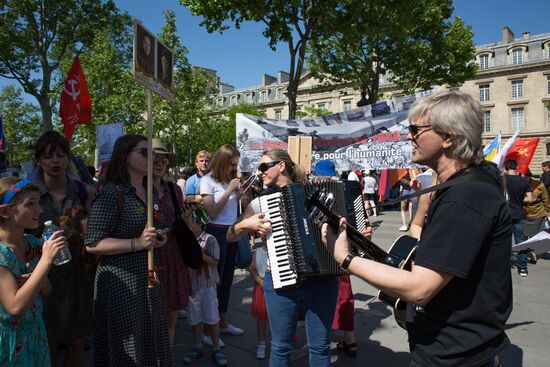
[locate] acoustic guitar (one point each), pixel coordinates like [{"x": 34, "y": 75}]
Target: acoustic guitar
[{"x": 399, "y": 256}]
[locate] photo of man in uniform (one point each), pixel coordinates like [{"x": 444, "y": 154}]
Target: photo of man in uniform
[
  {"x": 145, "y": 55},
  {"x": 164, "y": 66}
]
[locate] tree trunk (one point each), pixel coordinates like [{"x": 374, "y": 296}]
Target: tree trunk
[{"x": 46, "y": 109}]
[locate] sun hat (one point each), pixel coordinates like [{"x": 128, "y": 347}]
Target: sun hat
[
  {"x": 325, "y": 167},
  {"x": 160, "y": 149}
]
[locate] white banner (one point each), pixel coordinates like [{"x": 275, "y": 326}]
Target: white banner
[{"x": 369, "y": 137}]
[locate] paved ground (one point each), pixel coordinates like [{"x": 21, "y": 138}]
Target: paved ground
[{"x": 381, "y": 342}]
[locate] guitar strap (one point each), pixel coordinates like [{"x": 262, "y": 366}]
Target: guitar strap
[{"x": 468, "y": 174}]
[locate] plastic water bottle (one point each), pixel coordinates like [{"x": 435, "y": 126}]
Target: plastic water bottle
[{"x": 64, "y": 256}]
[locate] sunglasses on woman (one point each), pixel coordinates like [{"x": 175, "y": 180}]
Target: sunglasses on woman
[
  {"x": 143, "y": 151},
  {"x": 163, "y": 161},
  {"x": 263, "y": 167},
  {"x": 414, "y": 129}
]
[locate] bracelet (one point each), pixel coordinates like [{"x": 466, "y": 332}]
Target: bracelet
[
  {"x": 347, "y": 261},
  {"x": 133, "y": 244}
]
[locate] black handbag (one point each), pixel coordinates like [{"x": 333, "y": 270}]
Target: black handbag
[{"x": 190, "y": 249}]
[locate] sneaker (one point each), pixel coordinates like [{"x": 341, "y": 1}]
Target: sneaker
[
  {"x": 207, "y": 339},
  {"x": 402, "y": 229},
  {"x": 182, "y": 314},
  {"x": 522, "y": 273},
  {"x": 231, "y": 330},
  {"x": 260, "y": 351}
]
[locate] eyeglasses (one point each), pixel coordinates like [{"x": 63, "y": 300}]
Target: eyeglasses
[
  {"x": 161, "y": 160},
  {"x": 143, "y": 151},
  {"x": 263, "y": 167},
  {"x": 414, "y": 129}
]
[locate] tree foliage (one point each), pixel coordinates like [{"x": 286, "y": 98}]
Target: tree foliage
[
  {"x": 413, "y": 44},
  {"x": 37, "y": 36},
  {"x": 21, "y": 122},
  {"x": 292, "y": 22}
]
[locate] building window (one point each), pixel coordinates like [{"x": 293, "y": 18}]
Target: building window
[
  {"x": 486, "y": 121},
  {"x": 322, "y": 106},
  {"x": 219, "y": 102},
  {"x": 517, "y": 88},
  {"x": 548, "y": 151},
  {"x": 548, "y": 84},
  {"x": 233, "y": 100},
  {"x": 518, "y": 121},
  {"x": 347, "y": 105},
  {"x": 484, "y": 61},
  {"x": 263, "y": 96},
  {"x": 278, "y": 114},
  {"x": 484, "y": 92},
  {"x": 517, "y": 56},
  {"x": 248, "y": 98},
  {"x": 548, "y": 117},
  {"x": 278, "y": 94}
]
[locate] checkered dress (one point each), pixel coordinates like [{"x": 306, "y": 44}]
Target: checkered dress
[{"x": 129, "y": 319}]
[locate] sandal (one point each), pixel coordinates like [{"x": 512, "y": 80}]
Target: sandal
[
  {"x": 219, "y": 358},
  {"x": 192, "y": 356},
  {"x": 350, "y": 349}
]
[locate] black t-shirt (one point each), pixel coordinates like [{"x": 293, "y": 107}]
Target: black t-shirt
[
  {"x": 517, "y": 187},
  {"x": 545, "y": 179},
  {"x": 468, "y": 233}
]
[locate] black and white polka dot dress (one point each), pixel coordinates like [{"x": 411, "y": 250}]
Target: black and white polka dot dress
[{"x": 129, "y": 318}]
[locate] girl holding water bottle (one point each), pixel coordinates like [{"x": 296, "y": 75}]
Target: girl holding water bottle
[
  {"x": 24, "y": 265},
  {"x": 68, "y": 309}
]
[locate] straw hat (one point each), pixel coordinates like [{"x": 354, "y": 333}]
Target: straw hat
[{"x": 160, "y": 149}]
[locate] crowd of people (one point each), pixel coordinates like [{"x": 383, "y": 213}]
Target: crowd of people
[{"x": 458, "y": 288}]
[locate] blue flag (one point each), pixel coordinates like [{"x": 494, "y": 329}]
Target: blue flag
[{"x": 2, "y": 136}]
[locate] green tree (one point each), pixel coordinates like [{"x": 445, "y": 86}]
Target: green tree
[
  {"x": 37, "y": 36},
  {"x": 291, "y": 22},
  {"x": 412, "y": 44},
  {"x": 21, "y": 124},
  {"x": 116, "y": 97}
]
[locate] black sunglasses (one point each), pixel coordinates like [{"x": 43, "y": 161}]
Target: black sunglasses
[
  {"x": 263, "y": 167},
  {"x": 413, "y": 129},
  {"x": 143, "y": 151}
]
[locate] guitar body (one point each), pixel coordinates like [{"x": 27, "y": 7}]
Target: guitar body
[{"x": 403, "y": 248}]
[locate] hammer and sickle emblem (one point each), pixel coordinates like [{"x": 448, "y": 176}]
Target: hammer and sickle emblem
[{"x": 75, "y": 88}]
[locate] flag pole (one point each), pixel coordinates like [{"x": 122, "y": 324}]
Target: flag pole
[{"x": 150, "y": 270}]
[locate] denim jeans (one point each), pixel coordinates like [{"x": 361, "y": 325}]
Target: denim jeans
[
  {"x": 226, "y": 265},
  {"x": 517, "y": 230},
  {"x": 318, "y": 296}
]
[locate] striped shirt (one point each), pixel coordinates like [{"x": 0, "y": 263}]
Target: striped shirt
[{"x": 207, "y": 275}]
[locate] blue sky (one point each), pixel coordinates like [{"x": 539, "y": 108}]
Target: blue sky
[{"x": 242, "y": 56}]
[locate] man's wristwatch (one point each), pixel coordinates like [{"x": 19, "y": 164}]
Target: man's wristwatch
[{"x": 347, "y": 261}]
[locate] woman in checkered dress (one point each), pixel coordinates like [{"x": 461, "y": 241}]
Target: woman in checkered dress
[{"x": 129, "y": 318}]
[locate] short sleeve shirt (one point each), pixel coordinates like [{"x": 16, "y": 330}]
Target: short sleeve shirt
[
  {"x": 228, "y": 215},
  {"x": 193, "y": 185},
  {"x": 206, "y": 275},
  {"x": 516, "y": 187},
  {"x": 467, "y": 234},
  {"x": 369, "y": 185}
]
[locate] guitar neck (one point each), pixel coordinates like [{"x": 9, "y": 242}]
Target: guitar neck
[{"x": 358, "y": 241}]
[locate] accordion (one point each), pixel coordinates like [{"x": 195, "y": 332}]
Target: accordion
[{"x": 294, "y": 245}]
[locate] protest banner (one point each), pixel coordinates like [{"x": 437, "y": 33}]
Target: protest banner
[{"x": 369, "y": 137}]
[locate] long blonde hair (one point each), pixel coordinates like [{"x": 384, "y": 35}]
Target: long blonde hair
[{"x": 292, "y": 170}]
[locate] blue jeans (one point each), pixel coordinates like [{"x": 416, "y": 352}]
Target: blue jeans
[
  {"x": 517, "y": 230},
  {"x": 226, "y": 265},
  {"x": 318, "y": 296}
]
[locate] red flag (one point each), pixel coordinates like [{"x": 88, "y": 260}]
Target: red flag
[
  {"x": 75, "y": 106},
  {"x": 523, "y": 151}
]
